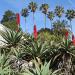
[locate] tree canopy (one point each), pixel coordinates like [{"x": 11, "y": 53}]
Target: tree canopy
[{"x": 9, "y": 20}]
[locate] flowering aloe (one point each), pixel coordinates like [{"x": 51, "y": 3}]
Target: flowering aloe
[
  {"x": 72, "y": 37},
  {"x": 18, "y": 20},
  {"x": 35, "y": 32},
  {"x": 66, "y": 35},
  {"x": 73, "y": 40}
]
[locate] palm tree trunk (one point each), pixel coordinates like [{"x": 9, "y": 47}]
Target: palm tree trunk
[
  {"x": 60, "y": 19},
  {"x": 45, "y": 21},
  {"x": 33, "y": 18},
  {"x": 51, "y": 24},
  {"x": 25, "y": 26},
  {"x": 70, "y": 25}
]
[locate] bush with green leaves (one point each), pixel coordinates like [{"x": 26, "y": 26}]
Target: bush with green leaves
[
  {"x": 49, "y": 35},
  {"x": 21, "y": 49},
  {"x": 4, "y": 65},
  {"x": 11, "y": 38},
  {"x": 62, "y": 56},
  {"x": 36, "y": 48},
  {"x": 39, "y": 69}
]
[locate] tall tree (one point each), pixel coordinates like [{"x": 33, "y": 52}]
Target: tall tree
[
  {"x": 44, "y": 9},
  {"x": 60, "y": 27},
  {"x": 59, "y": 10},
  {"x": 32, "y": 6},
  {"x": 70, "y": 14},
  {"x": 9, "y": 20},
  {"x": 25, "y": 13},
  {"x": 51, "y": 16}
]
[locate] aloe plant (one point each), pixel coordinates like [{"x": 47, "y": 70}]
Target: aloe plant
[
  {"x": 39, "y": 69},
  {"x": 11, "y": 38},
  {"x": 62, "y": 55},
  {"x": 4, "y": 65},
  {"x": 36, "y": 48}
]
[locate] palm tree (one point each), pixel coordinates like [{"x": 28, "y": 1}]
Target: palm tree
[
  {"x": 44, "y": 9},
  {"x": 25, "y": 13},
  {"x": 59, "y": 11},
  {"x": 60, "y": 27},
  {"x": 50, "y": 16},
  {"x": 32, "y": 6},
  {"x": 70, "y": 14}
]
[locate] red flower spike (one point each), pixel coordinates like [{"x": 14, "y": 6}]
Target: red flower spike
[
  {"x": 18, "y": 19},
  {"x": 73, "y": 41},
  {"x": 66, "y": 35},
  {"x": 72, "y": 37},
  {"x": 35, "y": 32}
]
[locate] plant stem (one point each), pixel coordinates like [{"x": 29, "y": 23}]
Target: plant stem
[
  {"x": 70, "y": 25},
  {"x": 33, "y": 18},
  {"x": 51, "y": 24},
  {"x": 45, "y": 21},
  {"x": 25, "y": 25},
  {"x": 60, "y": 19}
]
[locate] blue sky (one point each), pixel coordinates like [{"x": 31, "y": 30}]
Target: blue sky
[{"x": 17, "y": 5}]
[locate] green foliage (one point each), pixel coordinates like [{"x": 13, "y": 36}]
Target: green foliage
[
  {"x": 8, "y": 16},
  {"x": 48, "y": 35},
  {"x": 11, "y": 25},
  {"x": 24, "y": 12},
  {"x": 39, "y": 69},
  {"x": 11, "y": 38},
  {"x": 9, "y": 20},
  {"x": 51, "y": 15},
  {"x": 63, "y": 55},
  {"x": 32, "y": 6},
  {"x": 60, "y": 27},
  {"x": 70, "y": 14},
  {"x": 59, "y": 11},
  {"x": 50, "y": 45},
  {"x": 4, "y": 65},
  {"x": 44, "y": 8},
  {"x": 36, "y": 48}
]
